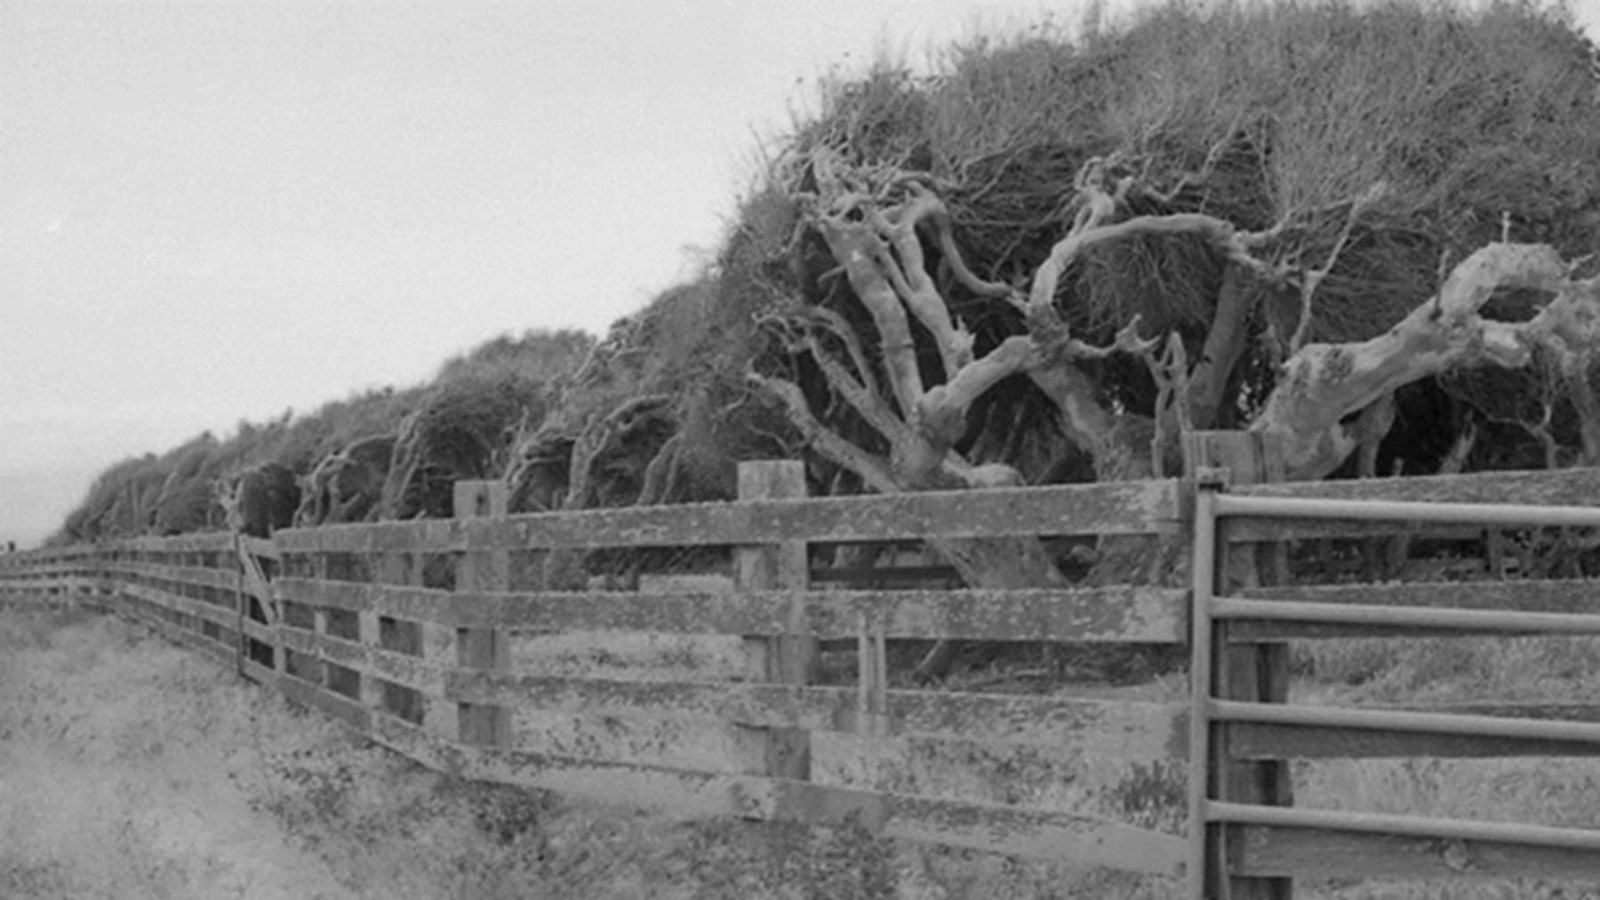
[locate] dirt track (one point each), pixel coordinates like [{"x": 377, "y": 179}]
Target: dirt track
[{"x": 109, "y": 788}]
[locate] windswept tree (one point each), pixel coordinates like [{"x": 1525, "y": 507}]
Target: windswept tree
[
  {"x": 1050, "y": 260},
  {"x": 659, "y": 412}
]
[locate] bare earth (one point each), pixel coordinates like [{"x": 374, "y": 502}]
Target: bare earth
[{"x": 105, "y": 792}]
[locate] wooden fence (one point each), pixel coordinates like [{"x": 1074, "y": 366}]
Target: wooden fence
[{"x": 762, "y": 688}]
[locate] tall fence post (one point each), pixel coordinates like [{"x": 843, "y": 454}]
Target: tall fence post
[
  {"x": 785, "y": 658},
  {"x": 1256, "y": 672},
  {"x": 241, "y": 603},
  {"x": 437, "y": 643},
  {"x": 390, "y": 568},
  {"x": 483, "y": 648},
  {"x": 255, "y": 579}
]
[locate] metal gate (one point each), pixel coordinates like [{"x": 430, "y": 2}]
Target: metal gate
[{"x": 1246, "y": 837}]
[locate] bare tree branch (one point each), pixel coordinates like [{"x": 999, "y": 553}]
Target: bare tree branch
[
  {"x": 841, "y": 329},
  {"x": 1323, "y": 383},
  {"x": 938, "y": 216},
  {"x": 858, "y": 247},
  {"x": 830, "y": 444},
  {"x": 868, "y": 403},
  {"x": 1314, "y": 278}
]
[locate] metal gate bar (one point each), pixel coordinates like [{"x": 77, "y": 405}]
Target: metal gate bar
[
  {"x": 1206, "y": 814},
  {"x": 1396, "y": 720},
  {"x": 1406, "y": 616},
  {"x": 1408, "y": 826},
  {"x": 1243, "y": 505}
]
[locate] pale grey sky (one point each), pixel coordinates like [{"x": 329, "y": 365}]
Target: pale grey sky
[{"x": 214, "y": 210}]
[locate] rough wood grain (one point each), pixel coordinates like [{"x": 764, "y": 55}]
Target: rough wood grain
[
  {"x": 333, "y": 705},
  {"x": 427, "y": 535},
  {"x": 266, "y": 634},
  {"x": 872, "y": 679},
  {"x": 1115, "y": 613},
  {"x": 260, "y": 674},
  {"x": 222, "y": 579},
  {"x": 1077, "y": 777},
  {"x": 401, "y": 668},
  {"x": 262, "y": 547},
  {"x": 1112, "y": 508},
  {"x": 483, "y": 648},
  {"x": 1011, "y": 831},
  {"x": 789, "y": 655},
  {"x": 1140, "y": 732},
  {"x": 207, "y": 542},
  {"x": 1136, "y": 507},
  {"x": 369, "y": 630},
  {"x": 218, "y": 615}
]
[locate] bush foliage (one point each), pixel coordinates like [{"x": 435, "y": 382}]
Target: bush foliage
[
  {"x": 174, "y": 492},
  {"x": 1460, "y": 126},
  {"x": 1379, "y": 142}
]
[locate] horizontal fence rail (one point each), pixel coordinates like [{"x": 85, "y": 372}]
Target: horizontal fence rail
[
  {"x": 1139, "y": 507},
  {"x": 1119, "y": 613}
]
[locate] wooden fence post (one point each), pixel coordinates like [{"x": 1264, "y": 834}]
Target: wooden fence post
[
  {"x": 1249, "y": 672},
  {"x": 787, "y": 658},
  {"x": 483, "y": 648},
  {"x": 280, "y": 653},
  {"x": 369, "y": 631},
  {"x": 438, "y": 642},
  {"x": 241, "y": 604}
]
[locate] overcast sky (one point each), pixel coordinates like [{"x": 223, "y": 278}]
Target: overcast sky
[{"x": 214, "y": 211}]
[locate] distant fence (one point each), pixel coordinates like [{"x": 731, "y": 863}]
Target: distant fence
[{"x": 762, "y": 690}]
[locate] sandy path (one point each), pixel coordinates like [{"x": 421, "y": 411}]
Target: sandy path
[{"x": 110, "y": 789}]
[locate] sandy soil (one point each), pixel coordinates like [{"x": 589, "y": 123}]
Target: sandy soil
[{"x": 109, "y": 790}]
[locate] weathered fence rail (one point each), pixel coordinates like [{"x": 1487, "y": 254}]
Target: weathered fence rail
[{"x": 762, "y": 687}]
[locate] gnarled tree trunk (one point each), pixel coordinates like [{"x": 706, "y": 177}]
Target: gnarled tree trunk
[{"x": 880, "y": 231}]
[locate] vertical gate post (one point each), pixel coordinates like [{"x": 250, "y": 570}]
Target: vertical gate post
[
  {"x": 1202, "y": 871},
  {"x": 439, "y": 644},
  {"x": 388, "y": 568},
  {"x": 252, "y": 585},
  {"x": 786, "y": 658},
  {"x": 483, "y": 648},
  {"x": 1257, "y": 672},
  {"x": 241, "y": 602}
]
